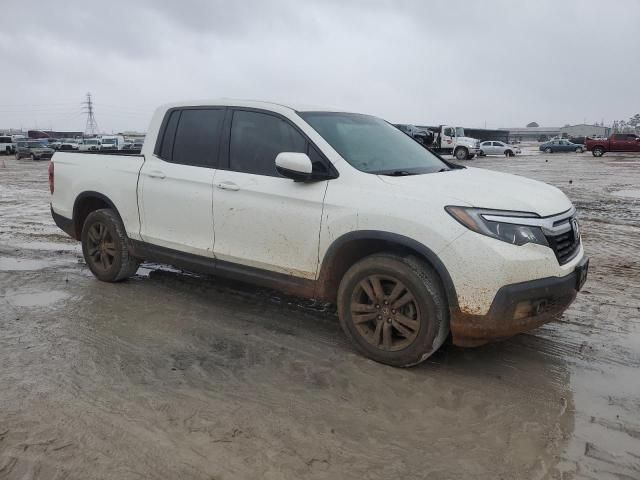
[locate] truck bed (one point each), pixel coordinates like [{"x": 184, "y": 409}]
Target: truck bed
[{"x": 114, "y": 175}]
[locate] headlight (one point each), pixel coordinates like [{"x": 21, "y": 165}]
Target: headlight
[{"x": 474, "y": 219}]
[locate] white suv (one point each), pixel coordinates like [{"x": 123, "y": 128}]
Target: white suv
[{"x": 337, "y": 206}]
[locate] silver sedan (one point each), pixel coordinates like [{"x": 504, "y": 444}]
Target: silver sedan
[{"x": 494, "y": 147}]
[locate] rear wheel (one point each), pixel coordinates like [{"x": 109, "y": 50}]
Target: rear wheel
[
  {"x": 598, "y": 152},
  {"x": 105, "y": 247},
  {"x": 393, "y": 309},
  {"x": 547, "y": 150}
]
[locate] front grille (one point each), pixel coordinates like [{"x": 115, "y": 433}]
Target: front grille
[{"x": 565, "y": 245}]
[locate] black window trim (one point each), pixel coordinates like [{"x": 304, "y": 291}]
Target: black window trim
[
  {"x": 180, "y": 109},
  {"x": 225, "y": 137}
]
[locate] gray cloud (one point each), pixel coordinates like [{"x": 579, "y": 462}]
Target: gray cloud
[{"x": 500, "y": 62}]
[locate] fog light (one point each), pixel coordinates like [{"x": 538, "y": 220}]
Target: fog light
[
  {"x": 523, "y": 310},
  {"x": 529, "y": 308}
]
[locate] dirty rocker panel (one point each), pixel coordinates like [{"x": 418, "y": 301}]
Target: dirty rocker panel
[{"x": 265, "y": 278}]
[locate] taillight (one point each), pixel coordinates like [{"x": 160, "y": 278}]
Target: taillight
[{"x": 51, "y": 177}]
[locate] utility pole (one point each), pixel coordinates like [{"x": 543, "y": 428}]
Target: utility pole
[{"x": 92, "y": 126}]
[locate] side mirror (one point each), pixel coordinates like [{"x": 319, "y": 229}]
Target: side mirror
[{"x": 296, "y": 166}]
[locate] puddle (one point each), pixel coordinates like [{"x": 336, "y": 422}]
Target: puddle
[
  {"x": 629, "y": 193},
  {"x": 8, "y": 264},
  {"x": 37, "y": 299}
]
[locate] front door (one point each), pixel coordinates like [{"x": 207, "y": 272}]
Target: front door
[
  {"x": 262, "y": 219},
  {"x": 176, "y": 190}
]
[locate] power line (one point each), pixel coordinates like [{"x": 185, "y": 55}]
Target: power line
[{"x": 91, "y": 127}]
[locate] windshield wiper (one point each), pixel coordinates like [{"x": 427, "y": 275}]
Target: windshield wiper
[{"x": 396, "y": 173}]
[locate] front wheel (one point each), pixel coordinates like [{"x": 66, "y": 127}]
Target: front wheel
[
  {"x": 33, "y": 157},
  {"x": 461, "y": 154},
  {"x": 547, "y": 150},
  {"x": 508, "y": 153},
  {"x": 579, "y": 150},
  {"x": 105, "y": 247},
  {"x": 393, "y": 309},
  {"x": 598, "y": 152}
]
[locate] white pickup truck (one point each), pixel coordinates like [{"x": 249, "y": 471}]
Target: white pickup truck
[{"x": 337, "y": 206}]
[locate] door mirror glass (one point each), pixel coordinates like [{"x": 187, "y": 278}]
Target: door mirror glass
[{"x": 293, "y": 165}]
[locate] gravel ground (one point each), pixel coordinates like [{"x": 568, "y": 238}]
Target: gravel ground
[{"x": 172, "y": 375}]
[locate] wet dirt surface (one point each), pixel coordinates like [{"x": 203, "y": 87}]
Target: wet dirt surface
[{"x": 171, "y": 375}]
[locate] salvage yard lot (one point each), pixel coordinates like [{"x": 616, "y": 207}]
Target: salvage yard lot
[{"x": 172, "y": 375}]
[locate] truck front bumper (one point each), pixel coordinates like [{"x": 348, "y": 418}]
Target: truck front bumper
[{"x": 519, "y": 307}]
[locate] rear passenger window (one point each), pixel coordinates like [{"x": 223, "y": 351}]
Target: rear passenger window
[
  {"x": 197, "y": 137},
  {"x": 256, "y": 141}
]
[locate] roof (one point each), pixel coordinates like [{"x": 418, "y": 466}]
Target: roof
[{"x": 232, "y": 102}]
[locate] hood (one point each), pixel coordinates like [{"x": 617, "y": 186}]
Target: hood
[
  {"x": 484, "y": 189},
  {"x": 42, "y": 150},
  {"x": 467, "y": 139}
]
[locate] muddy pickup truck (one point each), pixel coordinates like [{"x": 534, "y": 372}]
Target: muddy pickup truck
[
  {"x": 618, "y": 142},
  {"x": 337, "y": 206}
]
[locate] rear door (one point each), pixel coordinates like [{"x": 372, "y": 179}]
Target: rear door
[
  {"x": 262, "y": 219},
  {"x": 617, "y": 143},
  {"x": 634, "y": 143},
  {"x": 176, "y": 182}
]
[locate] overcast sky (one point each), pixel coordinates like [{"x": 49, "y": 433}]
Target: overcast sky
[{"x": 464, "y": 62}]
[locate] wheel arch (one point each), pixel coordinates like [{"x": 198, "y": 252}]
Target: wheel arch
[
  {"x": 87, "y": 202},
  {"x": 354, "y": 246}
]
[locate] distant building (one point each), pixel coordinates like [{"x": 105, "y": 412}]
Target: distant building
[
  {"x": 532, "y": 133},
  {"x": 585, "y": 130}
]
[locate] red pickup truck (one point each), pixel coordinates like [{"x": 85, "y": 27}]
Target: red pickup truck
[{"x": 619, "y": 142}]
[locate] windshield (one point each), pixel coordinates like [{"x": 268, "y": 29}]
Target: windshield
[
  {"x": 373, "y": 145},
  {"x": 459, "y": 132}
]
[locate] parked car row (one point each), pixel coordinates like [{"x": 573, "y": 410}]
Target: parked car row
[{"x": 9, "y": 144}]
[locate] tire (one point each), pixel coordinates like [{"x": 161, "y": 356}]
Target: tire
[
  {"x": 102, "y": 228},
  {"x": 416, "y": 328},
  {"x": 508, "y": 153},
  {"x": 481, "y": 153},
  {"x": 470, "y": 156},
  {"x": 579, "y": 150},
  {"x": 548, "y": 150},
  {"x": 18, "y": 156},
  {"x": 461, "y": 153},
  {"x": 597, "y": 152},
  {"x": 33, "y": 157}
]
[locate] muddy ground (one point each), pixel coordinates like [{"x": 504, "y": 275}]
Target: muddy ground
[{"x": 175, "y": 376}]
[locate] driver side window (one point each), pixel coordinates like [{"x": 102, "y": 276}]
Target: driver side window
[{"x": 257, "y": 139}]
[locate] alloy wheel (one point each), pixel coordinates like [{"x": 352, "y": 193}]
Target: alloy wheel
[
  {"x": 385, "y": 312},
  {"x": 101, "y": 247}
]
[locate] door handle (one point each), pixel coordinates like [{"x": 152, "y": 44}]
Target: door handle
[
  {"x": 228, "y": 186},
  {"x": 156, "y": 174}
]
